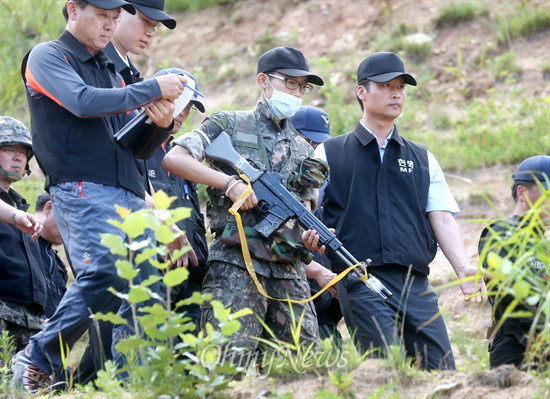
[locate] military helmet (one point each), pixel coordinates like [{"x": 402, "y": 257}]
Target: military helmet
[{"x": 13, "y": 132}]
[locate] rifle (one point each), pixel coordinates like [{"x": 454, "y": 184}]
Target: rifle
[{"x": 278, "y": 205}]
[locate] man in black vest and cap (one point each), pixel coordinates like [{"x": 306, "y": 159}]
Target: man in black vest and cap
[
  {"x": 134, "y": 33},
  {"x": 388, "y": 200},
  {"x": 77, "y": 103}
]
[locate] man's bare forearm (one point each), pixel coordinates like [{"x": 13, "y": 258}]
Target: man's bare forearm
[{"x": 448, "y": 235}]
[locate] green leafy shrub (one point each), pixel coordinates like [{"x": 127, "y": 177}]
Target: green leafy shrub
[
  {"x": 7, "y": 349},
  {"x": 525, "y": 21},
  {"x": 515, "y": 277},
  {"x": 165, "y": 355}
]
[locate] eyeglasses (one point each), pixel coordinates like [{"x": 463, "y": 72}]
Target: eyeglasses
[
  {"x": 15, "y": 150},
  {"x": 293, "y": 84}
]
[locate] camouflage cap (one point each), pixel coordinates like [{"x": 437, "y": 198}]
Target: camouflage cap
[{"x": 13, "y": 132}]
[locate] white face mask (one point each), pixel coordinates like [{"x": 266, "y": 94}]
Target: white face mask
[{"x": 283, "y": 105}]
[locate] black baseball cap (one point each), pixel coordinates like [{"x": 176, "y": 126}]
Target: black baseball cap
[
  {"x": 533, "y": 169},
  {"x": 383, "y": 67},
  {"x": 154, "y": 9},
  {"x": 289, "y": 61},
  {"x": 112, "y": 4},
  {"x": 313, "y": 123}
]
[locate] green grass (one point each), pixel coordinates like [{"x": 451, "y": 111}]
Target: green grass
[
  {"x": 504, "y": 66},
  {"x": 469, "y": 346},
  {"x": 30, "y": 187},
  {"x": 441, "y": 120},
  {"x": 400, "y": 41},
  {"x": 393, "y": 41},
  {"x": 525, "y": 21},
  {"x": 490, "y": 131},
  {"x": 193, "y": 5},
  {"x": 453, "y": 13}
]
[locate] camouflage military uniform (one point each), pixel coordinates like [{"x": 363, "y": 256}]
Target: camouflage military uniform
[
  {"x": 278, "y": 261},
  {"x": 20, "y": 321},
  {"x": 23, "y": 289}
]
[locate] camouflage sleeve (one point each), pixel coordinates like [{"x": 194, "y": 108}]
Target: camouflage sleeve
[
  {"x": 198, "y": 139},
  {"x": 313, "y": 173}
]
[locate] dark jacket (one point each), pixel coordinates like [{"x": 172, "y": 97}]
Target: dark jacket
[
  {"x": 186, "y": 196},
  {"x": 489, "y": 242},
  {"x": 129, "y": 73},
  {"x": 379, "y": 209},
  {"x": 77, "y": 102},
  {"x": 22, "y": 279},
  {"x": 56, "y": 273}
]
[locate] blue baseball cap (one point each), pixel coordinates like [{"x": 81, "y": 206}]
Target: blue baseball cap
[
  {"x": 534, "y": 169},
  {"x": 197, "y": 102},
  {"x": 313, "y": 123}
]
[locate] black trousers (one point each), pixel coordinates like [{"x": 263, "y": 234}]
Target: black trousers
[
  {"x": 507, "y": 349},
  {"x": 410, "y": 318}
]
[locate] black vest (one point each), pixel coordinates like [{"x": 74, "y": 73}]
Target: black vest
[
  {"x": 379, "y": 209},
  {"x": 69, "y": 148}
]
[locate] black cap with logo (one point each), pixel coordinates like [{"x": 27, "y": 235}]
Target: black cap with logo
[
  {"x": 383, "y": 67},
  {"x": 289, "y": 61}
]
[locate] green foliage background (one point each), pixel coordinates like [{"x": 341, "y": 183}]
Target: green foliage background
[
  {"x": 24, "y": 24},
  {"x": 502, "y": 125}
]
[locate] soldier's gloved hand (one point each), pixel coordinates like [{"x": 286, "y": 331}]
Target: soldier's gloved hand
[
  {"x": 236, "y": 191},
  {"x": 161, "y": 113},
  {"x": 310, "y": 239},
  {"x": 27, "y": 223}
]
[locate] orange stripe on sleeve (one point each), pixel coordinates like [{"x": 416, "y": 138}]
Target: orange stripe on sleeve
[{"x": 31, "y": 81}]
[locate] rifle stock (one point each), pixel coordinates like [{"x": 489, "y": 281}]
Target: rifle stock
[{"x": 279, "y": 206}]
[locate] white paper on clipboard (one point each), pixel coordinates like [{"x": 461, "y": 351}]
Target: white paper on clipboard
[{"x": 181, "y": 102}]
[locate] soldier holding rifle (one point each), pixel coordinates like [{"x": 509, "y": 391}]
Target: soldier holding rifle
[{"x": 267, "y": 139}]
